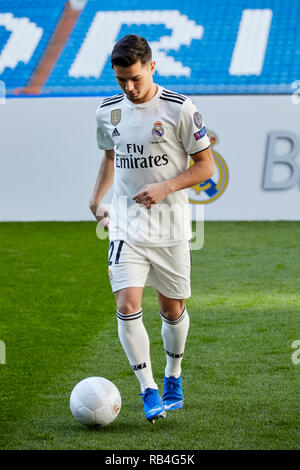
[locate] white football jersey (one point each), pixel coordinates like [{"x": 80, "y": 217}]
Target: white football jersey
[{"x": 152, "y": 142}]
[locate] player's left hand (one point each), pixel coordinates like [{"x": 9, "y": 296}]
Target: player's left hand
[{"x": 151, "y": 194}]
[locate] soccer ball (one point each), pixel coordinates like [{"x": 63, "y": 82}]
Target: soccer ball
[{"x": 95, "y": 400}]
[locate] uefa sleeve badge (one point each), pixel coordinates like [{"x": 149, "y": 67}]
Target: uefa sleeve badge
[{"x": 198, "y": 119}]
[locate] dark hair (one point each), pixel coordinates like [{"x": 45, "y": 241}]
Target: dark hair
[{"x": 129, "y": 50}]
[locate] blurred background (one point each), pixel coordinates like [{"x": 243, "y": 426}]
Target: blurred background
[{"x": 239, "y": 61}]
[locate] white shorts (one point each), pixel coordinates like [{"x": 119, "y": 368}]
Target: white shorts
[{"x": 167, "y": 269}]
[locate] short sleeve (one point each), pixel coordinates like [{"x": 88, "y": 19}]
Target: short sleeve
[
  {"x": 104, "y": 140},
  {"x": 191, "y": 129}
]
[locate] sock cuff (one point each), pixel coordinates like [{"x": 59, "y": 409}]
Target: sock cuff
[
  {"x": 178, "y": 320},
  {"x": 130, "y": 316}
]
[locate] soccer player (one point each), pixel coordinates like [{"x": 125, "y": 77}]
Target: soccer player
[{"x": 148, "y": 133}]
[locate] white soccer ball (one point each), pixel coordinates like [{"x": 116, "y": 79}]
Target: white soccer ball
[{"x": 95, "y": 400}]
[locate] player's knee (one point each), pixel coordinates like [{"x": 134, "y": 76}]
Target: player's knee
[
  {"x": 128, "y": 306},
  {"x": 173, "y": 311}
]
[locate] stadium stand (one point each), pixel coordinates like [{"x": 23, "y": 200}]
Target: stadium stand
[
  {"x": 53, "y": 50},
  {"x": 25, "y": 30},
  {"x": 200, "y": 46}
]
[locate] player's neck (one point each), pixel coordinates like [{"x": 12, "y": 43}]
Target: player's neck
[{"x": 150, "y": 93}]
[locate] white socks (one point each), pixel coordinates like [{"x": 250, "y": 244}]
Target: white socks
[
  {"x": 174, "y": 334},
  {"x": 135, "y": 341}
]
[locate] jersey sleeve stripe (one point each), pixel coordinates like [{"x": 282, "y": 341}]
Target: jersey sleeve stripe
[
  {"x": 113, "y": 97},
  {"x": 171, "y": 99},
  {"x": 111, "y": 103},
  {"x": 173, "y": 94},
  {"x": 112, "y": 100}
]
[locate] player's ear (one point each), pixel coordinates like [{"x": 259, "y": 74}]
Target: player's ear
[{"x": 152, "y": 66}]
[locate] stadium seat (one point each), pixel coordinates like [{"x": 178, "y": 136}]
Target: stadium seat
[
  {"x": 25, "y": 30},
  {"x": 200, "y": 46}
]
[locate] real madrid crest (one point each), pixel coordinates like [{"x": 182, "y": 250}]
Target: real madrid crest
[
  {"x": 158, "y": 130},
  {"x": 214, "y": 187},
  {"x": 115, "y": 117}
]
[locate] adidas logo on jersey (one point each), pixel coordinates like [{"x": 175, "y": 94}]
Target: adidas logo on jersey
[{"x": 115, "y": 133}]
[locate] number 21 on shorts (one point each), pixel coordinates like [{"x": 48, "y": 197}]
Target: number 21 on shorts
[{"x": 114, "y": 254}]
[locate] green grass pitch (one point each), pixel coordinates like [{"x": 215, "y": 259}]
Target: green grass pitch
[{"x": 58, "y": 322}]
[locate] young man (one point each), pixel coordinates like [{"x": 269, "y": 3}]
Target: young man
[{"x": 147, "y": 134}]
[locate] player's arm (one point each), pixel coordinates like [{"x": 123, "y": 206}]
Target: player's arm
[
  {"x": 105, "y": 175},
  {"x": 202, "y": 170},
  {"x": 104, "y": 181},
  {"x": 191, "y": 134}
]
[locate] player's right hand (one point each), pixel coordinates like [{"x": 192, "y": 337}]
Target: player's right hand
[{"x": 101, "y": 214}]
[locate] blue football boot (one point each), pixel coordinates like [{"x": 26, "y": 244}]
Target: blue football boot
[
  {"x": 173, "y": 395},
  {"x": 153, "y": 405}
]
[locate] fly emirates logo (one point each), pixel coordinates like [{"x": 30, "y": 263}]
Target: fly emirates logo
[{"x": 135, "y": 158}]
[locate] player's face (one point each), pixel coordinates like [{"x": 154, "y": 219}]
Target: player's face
[{"x": 136, "y": 81}]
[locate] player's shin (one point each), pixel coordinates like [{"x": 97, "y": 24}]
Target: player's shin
[
  {"x": 135, "y": 341},
  {"x": 174, "y": 334}
]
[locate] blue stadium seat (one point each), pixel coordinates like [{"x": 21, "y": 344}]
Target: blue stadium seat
[
  {"x": 201, "y": 46},
  {"x": 34, "y": 21},
  {"x": 216, "y": 61}
]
